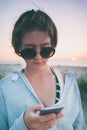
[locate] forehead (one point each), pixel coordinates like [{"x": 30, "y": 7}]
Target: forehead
[{"x": 36, "y": 37}]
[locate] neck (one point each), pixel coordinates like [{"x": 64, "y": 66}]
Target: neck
[{"x": 37, "y": 72}]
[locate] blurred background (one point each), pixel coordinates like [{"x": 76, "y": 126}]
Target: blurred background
[{"x": 70, "y": 17}]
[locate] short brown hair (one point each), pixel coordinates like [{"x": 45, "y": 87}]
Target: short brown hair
[{"x": 30, "y": 21}]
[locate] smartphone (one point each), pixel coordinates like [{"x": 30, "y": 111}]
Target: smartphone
[{"x": 48, "y": 110}]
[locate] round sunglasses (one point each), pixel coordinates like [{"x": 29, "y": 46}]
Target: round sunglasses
[{"x": 30, "y": 53}]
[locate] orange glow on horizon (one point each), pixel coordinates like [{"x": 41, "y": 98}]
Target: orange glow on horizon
[{"x": 7, "y": 53}]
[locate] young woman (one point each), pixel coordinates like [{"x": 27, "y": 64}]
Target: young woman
[{"x": 24, "y": 92}]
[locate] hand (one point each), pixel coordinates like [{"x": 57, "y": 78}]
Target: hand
[{"x": 38, "y": 122}]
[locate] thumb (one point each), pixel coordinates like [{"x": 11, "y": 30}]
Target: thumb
[{"x": 36, "y": 108}]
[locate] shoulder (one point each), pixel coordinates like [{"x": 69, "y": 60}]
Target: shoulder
[
  {"x": 69, "y": 80},
  {"x": 69, "y": 77},
  {"x": 64, "y": 74},
  {"x": 9, "y": 79}
]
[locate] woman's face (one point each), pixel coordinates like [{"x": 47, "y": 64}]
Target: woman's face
[{"x": 36, "y": 40}]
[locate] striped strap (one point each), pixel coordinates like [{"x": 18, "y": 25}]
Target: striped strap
[{"x": 59, "y": 85}]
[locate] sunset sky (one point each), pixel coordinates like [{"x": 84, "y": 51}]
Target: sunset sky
[{"x": 70, "y": 17}]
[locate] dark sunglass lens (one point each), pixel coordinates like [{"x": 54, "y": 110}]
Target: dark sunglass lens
[
  {"x": 47, "y": 52},
  {"x": 28, "y": 53}
]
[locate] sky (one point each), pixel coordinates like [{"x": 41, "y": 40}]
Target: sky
[{"x": 70, "y": 17}]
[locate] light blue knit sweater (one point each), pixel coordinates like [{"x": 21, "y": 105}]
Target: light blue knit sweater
[{"x": 17, "y": 95}]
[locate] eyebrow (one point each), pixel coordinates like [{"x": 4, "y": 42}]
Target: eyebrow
[
  {"x": 33, "y": 45},
  {"x": 45, "y": 44},
  {"x": 27, "y": 45}
]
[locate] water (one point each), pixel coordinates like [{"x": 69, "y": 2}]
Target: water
[
  {"x": 80, "y": 72},
  {"x": 5, "y": 69}
]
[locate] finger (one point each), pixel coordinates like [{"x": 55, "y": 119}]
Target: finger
[
  {"x": 59, "y": 115},
  {"x": 30, "y": 114},
  {"x": 51, "y": 116},
  {"x": 46, "y": 118},
  {"x": 35, "y": 108},
  {"x": 52, "y": 122}
]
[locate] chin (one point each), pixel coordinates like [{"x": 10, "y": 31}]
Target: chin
[{"x": 39, "y": 66}]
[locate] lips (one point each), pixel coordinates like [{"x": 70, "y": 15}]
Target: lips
[{"x": 38, "y": 62}]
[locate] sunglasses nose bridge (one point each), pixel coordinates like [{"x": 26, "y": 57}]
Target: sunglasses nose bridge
[{"x": 38, "y": 50}]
